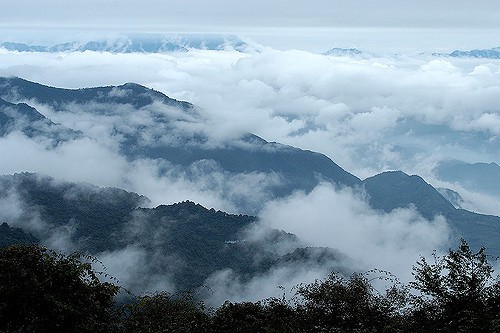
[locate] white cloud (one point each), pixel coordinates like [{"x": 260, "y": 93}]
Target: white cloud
[
  {"x": 353, "y": 110},
  {"x": 226, "y": 285},
  {"x": 345, "y": 108},
  {"x": 132, "y": 267},
  {"x": 341, "y": 219}
]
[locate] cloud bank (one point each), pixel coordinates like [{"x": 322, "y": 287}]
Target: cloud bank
[
  {"x": 367, "y": 114},
  {"x": 339, "y": 219}
]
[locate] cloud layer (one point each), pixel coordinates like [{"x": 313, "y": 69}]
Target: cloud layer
[
  {"x": 340, "y": 220},
  {"x": 368, "y": 114}
]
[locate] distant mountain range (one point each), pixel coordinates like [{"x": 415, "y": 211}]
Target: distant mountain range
[
  {"x": 146, "y": 124},
  {"x": 139, "y": 43},
  {"x": 473, "y": 176},
  {"x": 337, "y": 51},
  {"x": 493, "y": 53}
]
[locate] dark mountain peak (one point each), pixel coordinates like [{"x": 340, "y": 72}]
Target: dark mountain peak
[
  {"x": 396, "y": 189},
  {"x": 191, "y": 209},
  {"x": 133, "y": 85},
  {"x": 15, "y": 89},
  {"x": 395, "y": 174},
  {"x": 320, "y": 255},
  {"x": 184, "y": 205},
  {"x": 39, "y": 188}
]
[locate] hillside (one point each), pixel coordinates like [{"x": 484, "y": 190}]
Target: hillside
[
  {"x": 183, "y": 243},
  {"x": 391, "y": 190},
  {"x": 146, "y": 124}
]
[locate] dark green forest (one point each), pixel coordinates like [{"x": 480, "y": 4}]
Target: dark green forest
[{"x": 44, "y": 291}]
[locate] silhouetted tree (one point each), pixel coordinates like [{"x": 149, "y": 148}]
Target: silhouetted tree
[
  {"x": 459, "y": 293},
  {"x": 240, "y": 317},
  {"x": 42, "y": 291},
  {"x": 163, "y": 312},
  {"x": 267, "y": 316},
  {"x": 350, "y": 305}
]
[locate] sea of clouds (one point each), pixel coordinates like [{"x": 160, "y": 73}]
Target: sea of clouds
[{"x": 367, "y": 113}]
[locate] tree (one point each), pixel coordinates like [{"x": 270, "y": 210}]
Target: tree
[
  {"x": 267, "y": 316},
  {"x": 241, "y": 317},
  {"x": 163, "y": 312},
  {"x": 42, "y": 291},
  {"x": 459, "y": 292},
  {"x": 350, "y": 305}
]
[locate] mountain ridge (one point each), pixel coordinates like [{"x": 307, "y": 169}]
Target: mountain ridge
[
  {"x": 164, "y": 136},
  {"x": 138, "y": 43},
  {"x": 183, "y": 242}
]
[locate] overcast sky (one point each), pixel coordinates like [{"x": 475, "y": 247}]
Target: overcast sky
[
  {"x": 158, "y": 14},
  {"x": 261, "y": 19}
]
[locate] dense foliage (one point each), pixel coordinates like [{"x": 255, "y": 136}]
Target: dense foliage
[
  {"x": 461, "y": 292},
  {"x": 42, "y": 291}
]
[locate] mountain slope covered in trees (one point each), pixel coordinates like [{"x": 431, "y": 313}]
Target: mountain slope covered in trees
[{"x": 183, "y": 243}]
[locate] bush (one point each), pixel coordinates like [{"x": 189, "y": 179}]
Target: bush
[
  {"x": 163, "y": 312},
  {"x": 42, "y": 291}
]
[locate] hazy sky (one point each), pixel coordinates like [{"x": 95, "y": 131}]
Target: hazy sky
[
  {"x": 220, "y": 13},
  {"x": 268, "y": 22}
]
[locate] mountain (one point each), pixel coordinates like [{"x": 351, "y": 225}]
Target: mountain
[
  {"x": 139, "y": 43},
  {"x": 10, "y": 235},
  {"x": 480, "y": 177},
  {"x": 452, "y": 196},
  {"x": 21, "y": 47},
  {"x": 395, "y": 189},
  {"x": 146, "y": 124},
  {"x": 26, "y": 119},
  {"x": 337, "y": 51},
  {"x": 183, "y": 243},
  {"x": 493, "y": 53},
  {"x": 13, "y": 88}
]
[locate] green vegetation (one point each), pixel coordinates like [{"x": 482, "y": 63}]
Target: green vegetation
[{"x": 43, "y": 291}]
